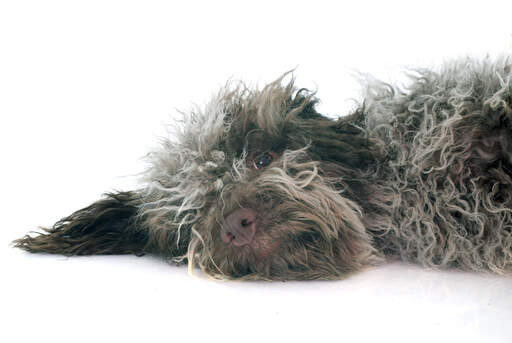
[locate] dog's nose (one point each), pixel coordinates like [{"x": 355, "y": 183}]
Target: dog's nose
[{"x": 240, "y": 227}]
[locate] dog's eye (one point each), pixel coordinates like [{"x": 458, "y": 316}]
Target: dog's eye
[{"x": 263, "y": 160}]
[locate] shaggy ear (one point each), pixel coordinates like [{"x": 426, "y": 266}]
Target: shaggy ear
[
  {"x": 108, "y": 226},
  {"x": 340, "y": 141}
]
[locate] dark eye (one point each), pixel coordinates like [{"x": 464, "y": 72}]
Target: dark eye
[{"x": 263, "y": 160}]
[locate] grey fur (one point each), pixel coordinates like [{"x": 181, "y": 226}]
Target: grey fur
[{"x": 421, "y": 173}]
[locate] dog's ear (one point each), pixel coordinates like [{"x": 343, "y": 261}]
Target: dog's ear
[
  {"x": 345, "y": 142},
  {"x": 342, "y": 141},
  {"x": 108, "y": 226}
]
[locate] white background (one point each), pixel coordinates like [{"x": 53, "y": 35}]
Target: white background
[{"x": 85, "y": 89}]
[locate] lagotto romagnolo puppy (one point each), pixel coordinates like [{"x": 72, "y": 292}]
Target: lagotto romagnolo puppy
[{"x": 259, "y": 185}]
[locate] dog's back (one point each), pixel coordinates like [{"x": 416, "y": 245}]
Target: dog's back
[{"x": 449, "y": 141}]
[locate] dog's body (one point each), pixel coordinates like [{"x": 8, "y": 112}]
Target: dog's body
[{"x": 258, "y": 185}]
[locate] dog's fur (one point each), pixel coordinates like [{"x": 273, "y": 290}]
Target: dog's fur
[{"x": 422, "y": 173}]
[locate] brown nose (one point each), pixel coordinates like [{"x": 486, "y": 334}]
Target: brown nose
[{"x": 240, "y": 227}]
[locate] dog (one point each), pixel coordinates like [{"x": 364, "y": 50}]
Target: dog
[{"x": 257, "y": 185}]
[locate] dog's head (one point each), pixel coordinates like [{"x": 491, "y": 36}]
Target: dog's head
[{"x": 258, "y": 185}]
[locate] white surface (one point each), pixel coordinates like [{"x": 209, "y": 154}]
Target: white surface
[
  {"x": 84, "y": 91},
  {"x": 53, "y": 299}
]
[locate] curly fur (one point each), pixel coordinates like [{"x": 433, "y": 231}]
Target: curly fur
[
  {"x": 421, "y": 173},
  {"x": 450, "y": 137}
]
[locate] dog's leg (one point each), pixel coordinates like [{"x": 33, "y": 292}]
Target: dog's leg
[{"x": 108, "y": 226}]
